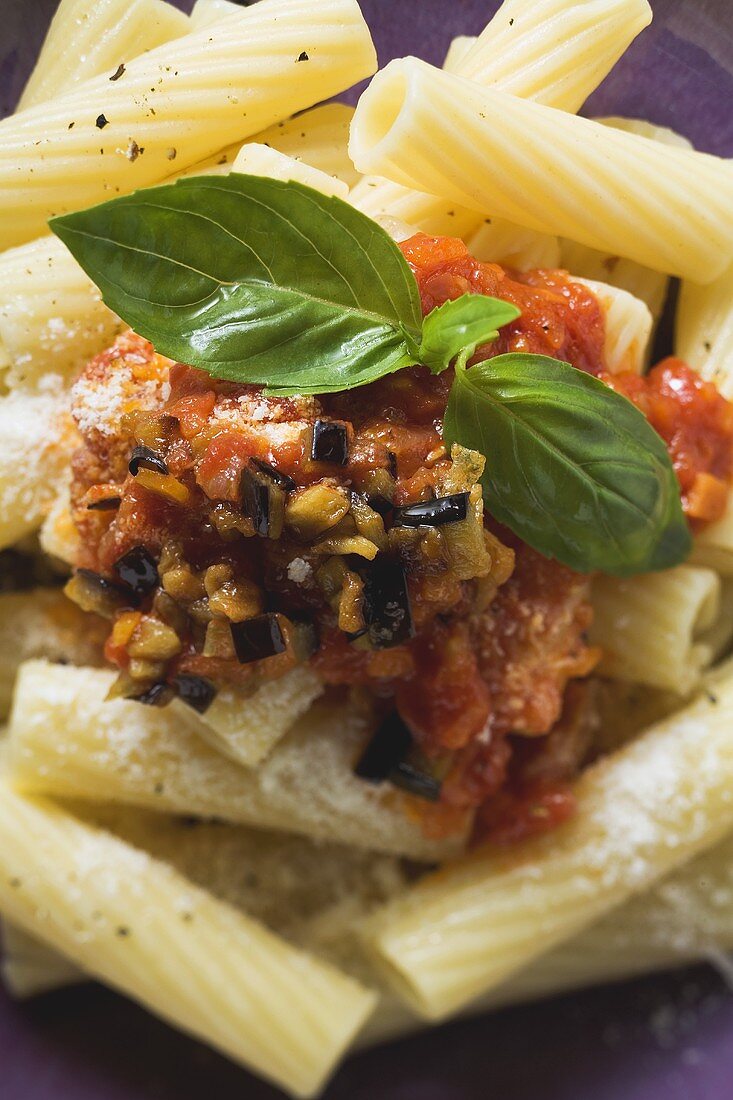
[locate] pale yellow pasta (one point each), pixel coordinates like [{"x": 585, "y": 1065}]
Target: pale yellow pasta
[
  {"x": 181, "y": 101},
  {"x": 457, "y": 50},
  {"x": 42, "y": 622},
  {"x": 500, "y": 242},
  {"x": 246, "y": 728},
  {"x": 37, "y": 444},
  {"x": 52, "y": 318},
  {"x": 197, "y": 962},
  {"x": 89, "y": 37},
  {"x": 713, "y": 545},
  {"x": 207, "y": 12},
  {"x": 687, "y": 917},
  {"x": 628, "y": 327},
  {"x": 554, "y": 51},
  {"x": 617, "y": 192},
  {"x": 67, "y": 740},
  {"x": 642, "y": 812},
  {"x": 649, "y": 626},
  {"x": 313, "y": 894},
  {"x": 704, "y": 329},
  {"x": 261, "y": 160},
  {"x": 319, "y": 137},
  {"x": 642, "y": 282},
  {"x": 59, "y": 536},
  {"x": 718, "y": 637}
]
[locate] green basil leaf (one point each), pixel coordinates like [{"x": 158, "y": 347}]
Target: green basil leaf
[
  {"x": 461, "y": 325},
  {"x": 253, "y": 280},
  {"x": 572, "y": 467}
]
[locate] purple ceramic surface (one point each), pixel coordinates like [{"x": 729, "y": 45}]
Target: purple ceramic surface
[{"x": 664, "y": 1038}]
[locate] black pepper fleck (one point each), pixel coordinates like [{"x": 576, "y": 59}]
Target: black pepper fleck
[
  {"x": 118, "y": 72},
  {"x": 303, "y": 57},
  {"x": 101, "y": 122},
  {"x": 15, "y": 883},
  {"x": 171, "y": 153},
  {"x": 122, "y": 932}
]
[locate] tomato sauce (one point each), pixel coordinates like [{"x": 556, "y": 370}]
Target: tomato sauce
[{"x": 491, "y": 669}]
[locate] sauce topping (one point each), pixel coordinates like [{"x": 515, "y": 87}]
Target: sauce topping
[{"x": 273, "y": 530}]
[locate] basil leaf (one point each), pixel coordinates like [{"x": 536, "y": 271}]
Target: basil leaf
[
  {"x": 253, "y": 280},
  {"x": 461, "y": 325},
  {"x": 572, "y": 467}
]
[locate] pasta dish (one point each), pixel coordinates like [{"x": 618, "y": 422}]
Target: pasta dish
[{"x": 366, "y": 589}]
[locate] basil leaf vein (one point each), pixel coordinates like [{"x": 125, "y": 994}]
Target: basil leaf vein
[{"x": 572, "y": 467}]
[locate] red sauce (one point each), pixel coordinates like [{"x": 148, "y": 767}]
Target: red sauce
[
  {"x": 476, "y": 687},
  {"x": 696, "y": 423}
]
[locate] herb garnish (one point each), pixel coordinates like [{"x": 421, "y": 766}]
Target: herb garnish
[{"x": 274, "y": 284}]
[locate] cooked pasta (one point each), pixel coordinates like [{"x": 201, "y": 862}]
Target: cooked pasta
[
  {"x": 650, "y": 627},
  {"x": 246, "y": 727},
  {"x": 125, "y": 135},
  {"x": 43, "y": 623},
  {"x": 554, "y": 51},
  {"x": 628, "y": 324},
  {"x": 704, "y": 332},
  {"x": 642, "y": 282},
  {"x": 261, "y": 160},
  {"x": 206, "y": 12},
  {"x": 36, "y": 446},
  {"x": 109, "y": 907},
  {"x": 642, "y": 812},
  {"x": 501, "y": 242},
  {"x": 29, "y": 968},
  {"x": 52, "y": 318},
  {"x": 67, "y": 740},
  {"x": 105, "y": 35},
  {"x": 713, "y": 546},
  {"x": 570, "y": 176},
  {"x": 457, "y": 50}
]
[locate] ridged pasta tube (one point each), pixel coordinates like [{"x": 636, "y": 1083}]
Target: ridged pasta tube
[
  {"x": 554, "y": 51},
  {"x": 37, "y": 442},
  {"x": 642, "y": 812},
  {"x": 143, "y": 928},
  {"x": 713, "y": 545},
  {"x": 105, "y": 34},
  {"x": 704, "y": 329},
  {"x": 207, "y": 12},
  {"x": 67, "y": 740},
  {"x": 183, "y": 101},
  {"x": 261, "y": 160},
  {"x": 649, "y": 626},
  {"x": 642, "y": 282},
  {"x": 459, "y": 47},
  {"x": 500, "y": 242},
  {"x": 52, "y": 317},
  {"x": 628, "y": 327},
  {"x": 666, "y": 208}
]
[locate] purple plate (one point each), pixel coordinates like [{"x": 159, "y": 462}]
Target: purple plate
[{"x": 664, "y": 1038}]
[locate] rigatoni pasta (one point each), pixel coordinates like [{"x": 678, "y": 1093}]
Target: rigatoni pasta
[
  {"x": 642, "y": 812},
  {"x": 57, "y": 873},
  {"x": 704, "y": 329},
  {"x": 117, "y": 751},
  {"x": 216, "y": 87},
  {"x": 105, "y": 35},
  {"x": 568, "y": 178}
]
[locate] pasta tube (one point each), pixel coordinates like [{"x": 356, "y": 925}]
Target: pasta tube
[
  {"x": 37, "y": 442},
  {"x": 686, "y": 918},
  {"x": 207, "y": 12},
  {"x": 567, "y": 175},
  {"x": 554, "y": 51},
  {"x": 642, "y": 282},
  {"x": 44, "y": 623},
  {"x": 500, "y": 242},
  {"x": 182, "y": 103},
  {"x": 628, "y": 327},
  {"x": 642, "y": 812},
  {"x": 66, "y": 740},
  {"x": 649, "y": 626},
  {"x": 222, "y": 976},
  {"x": 713, "y": 546},
  {"x": 457, "y": 50},
  {"x": 52, "y": 317},
  {"x": 261, "y": 160},
  {"x": 246, "y": 728},
  {"x": 704, "y": 329},
  {"x": 105, "y": 34}
]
